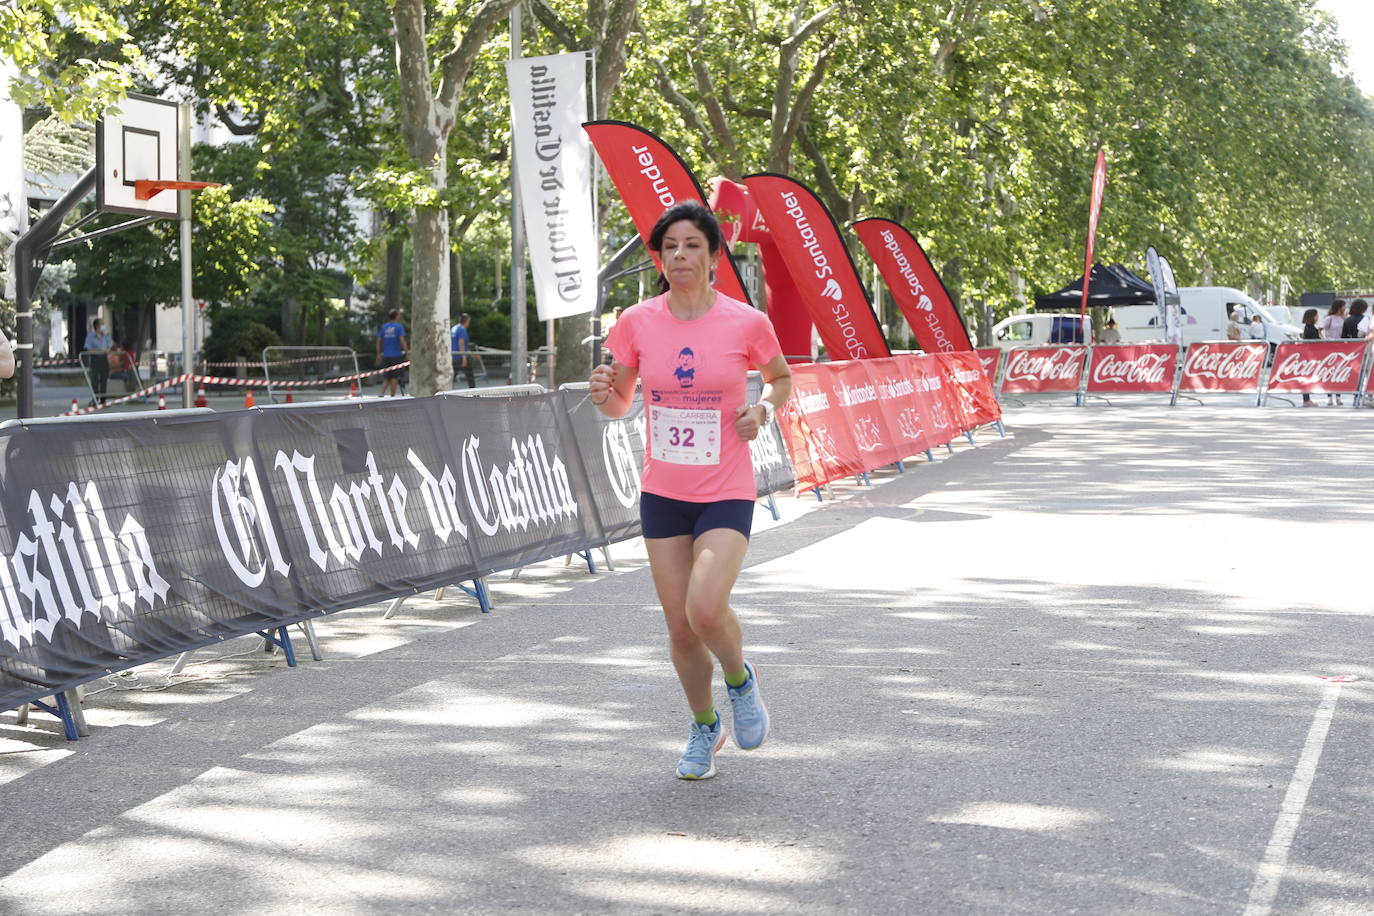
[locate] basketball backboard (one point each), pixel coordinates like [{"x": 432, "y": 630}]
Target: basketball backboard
[{"x": 140, "y": 142}]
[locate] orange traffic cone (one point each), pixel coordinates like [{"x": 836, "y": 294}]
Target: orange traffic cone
[
  {"x": 290, "y": 398},
  {"x": 162, "y": 402},
  {"x": 352, "y": 389},
  {"x": 201, "y": 400},
  {"x": 248, "y": 398}
]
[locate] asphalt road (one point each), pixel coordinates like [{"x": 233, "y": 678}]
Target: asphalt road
[{"x": 1076, "y": 670}]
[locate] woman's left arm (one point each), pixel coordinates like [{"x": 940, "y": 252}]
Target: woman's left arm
[{"x": 777, "y": 388}]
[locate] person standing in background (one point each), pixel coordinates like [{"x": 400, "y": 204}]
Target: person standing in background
[
  {"x": 461, "y": 344},
  {"x": 97, "y": 350},
  {"x": 1310, "y": 331},
  {"x": 1331, "y": 330},
  {"x": 392, "y": 349},
  {"x": 1356, "y": 324}
]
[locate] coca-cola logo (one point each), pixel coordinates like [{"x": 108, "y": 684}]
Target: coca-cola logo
[
  {"x": 1060, "y": 365},
  {"x": 1142, "y": 369},
  {"x": 1330, "y": 369},
  {"x": 1236, "y": 363}
]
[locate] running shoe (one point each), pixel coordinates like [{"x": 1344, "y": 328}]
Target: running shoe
[
  {"x": 699, "y": 760},
  {"x": 750, "y": 716}
]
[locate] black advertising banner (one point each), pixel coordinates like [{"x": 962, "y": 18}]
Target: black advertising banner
[
  {"x": 127, "y": 540},
  {"x": 613, "y": 454}
]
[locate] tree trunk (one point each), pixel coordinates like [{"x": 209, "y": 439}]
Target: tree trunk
[{"x": 431, "y": 369}]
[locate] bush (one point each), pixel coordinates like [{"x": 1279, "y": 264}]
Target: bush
[{"x": 238, "y": 333}]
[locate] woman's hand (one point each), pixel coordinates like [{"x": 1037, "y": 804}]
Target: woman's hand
[
  {"x": 748, "y": 421},
  {"x": 600, "y": 384}
]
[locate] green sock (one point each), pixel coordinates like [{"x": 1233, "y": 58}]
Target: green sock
[
  {"x": 737, "y": 680},
  {"x": 708, "y": 717}
]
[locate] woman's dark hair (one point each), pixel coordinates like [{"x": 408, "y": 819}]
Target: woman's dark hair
[
  {"x": 698, "y": 215},
  {"x": 1337, "y": 307},
  {"x": 1309, "y": 316},
  {"x": 1358, "y": 307}
]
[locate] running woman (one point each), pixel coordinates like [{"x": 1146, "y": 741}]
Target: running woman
[{"x": 692, "y": 348}]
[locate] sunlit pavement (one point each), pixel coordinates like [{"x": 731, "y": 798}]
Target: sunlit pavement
[{"x": 1078, "y": 669}]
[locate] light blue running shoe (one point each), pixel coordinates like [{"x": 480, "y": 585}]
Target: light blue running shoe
[
  {"x": 750, "y": 716},
  {"x": 699, "y": 760}
]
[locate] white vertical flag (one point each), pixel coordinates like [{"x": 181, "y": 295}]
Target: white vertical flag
[
  {"x": 553, "y": 166},
  {"x": 14, "y": 207}
]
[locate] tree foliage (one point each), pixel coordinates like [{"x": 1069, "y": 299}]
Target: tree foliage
[{"x": 1236, "y": 143}]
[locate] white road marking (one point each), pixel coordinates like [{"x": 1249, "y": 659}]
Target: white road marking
[{"x": 1270, "y": 874}]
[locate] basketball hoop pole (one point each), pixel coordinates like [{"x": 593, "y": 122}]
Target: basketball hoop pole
[{"x": 188, "y": 305}]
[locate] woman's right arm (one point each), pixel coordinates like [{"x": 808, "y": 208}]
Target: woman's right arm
[{"x": 612, "y": 388}]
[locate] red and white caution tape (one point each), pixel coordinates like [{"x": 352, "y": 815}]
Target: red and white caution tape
[
  {"x": 151, "y": 389},
  {"x": 232, "y": 383}
]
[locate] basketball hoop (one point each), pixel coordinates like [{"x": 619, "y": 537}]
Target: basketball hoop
[{"x": 145, "y": 188}]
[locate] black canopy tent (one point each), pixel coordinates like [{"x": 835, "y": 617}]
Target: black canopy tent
[{"x": 1110, "y": 285}]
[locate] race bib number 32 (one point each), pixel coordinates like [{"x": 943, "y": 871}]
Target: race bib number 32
[{"x": 684, "y": 436}]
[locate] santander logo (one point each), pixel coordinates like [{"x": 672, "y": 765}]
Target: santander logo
[
  {"x": 832, "y": 289},
  {"x": 1333, "y": 368},
  {"x": 1225, "y": 362},
  {"x": 1144, "y": 369},
  {"x": 1061, "y": 365}
]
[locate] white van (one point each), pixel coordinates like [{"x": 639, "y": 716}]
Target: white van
[
  {"x": 1034, "y": 328},
  {"x": 1204, "y": 313}
]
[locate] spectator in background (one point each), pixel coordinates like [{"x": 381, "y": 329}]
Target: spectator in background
[
  {"x": 1331, "y": 327},
  {"x": 1257, "y": 328},
  {"x": 1310, "y": 331},
  {"x": 1109, "y": 334},
  {"x": 1356, "y": 324},
  {"x": 96, "y": 359},
  {"x": 121, "y": 363},
  {"x": 392, "y": 349},
  {"x": 1237, "y": 330},
  {"x": 460, "y": 342}
]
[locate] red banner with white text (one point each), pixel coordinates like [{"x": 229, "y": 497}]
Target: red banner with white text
[
  {"x": 820, "y": 265},
  {"x": 651, "y": 178},
  {"x": 1216, "y": 366},
  {"x": 847, "y": 418},
  {"x": 1036, "y": 370},
  {"x": 991, "y": 360},
  {"x": 1132, "y": 368},
  {"x": 897, "y": 398},
  {"x": 1318, "y": 367},
  {"x": 971, "y": 388},
  {"x": 914, "y": 284}
]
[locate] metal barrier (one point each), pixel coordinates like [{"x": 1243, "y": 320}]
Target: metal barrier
[{"x": 270, "y": 358}]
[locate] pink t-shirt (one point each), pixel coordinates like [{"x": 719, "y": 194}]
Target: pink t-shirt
[
  {"x": 1331, "y": 326},
  {"x": 693, "y": 373}
]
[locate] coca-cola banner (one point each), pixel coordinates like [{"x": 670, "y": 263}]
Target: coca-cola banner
[
  {"x": 126, "y": 540},
  {"x": 651, "y": 178},
  {"x": 991, "y": 360},
  {"x": 1218, "y": 366},
  {"x": 1035, "y": 370},
  {"x": 915, "y": 286},
  {"x": 820, "y": 265},
  {"x": 1317, "y": 367},
  {"x": 1132, "y": 368}
]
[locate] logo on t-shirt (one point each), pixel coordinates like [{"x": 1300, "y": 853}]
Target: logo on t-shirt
[{"x": 685, "y": 372}]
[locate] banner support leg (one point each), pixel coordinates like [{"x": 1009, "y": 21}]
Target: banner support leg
[
  {"x": 282, "y": 639},
  {"x": 772, "y": 506},
  {"x": 308, "y": 628}
]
